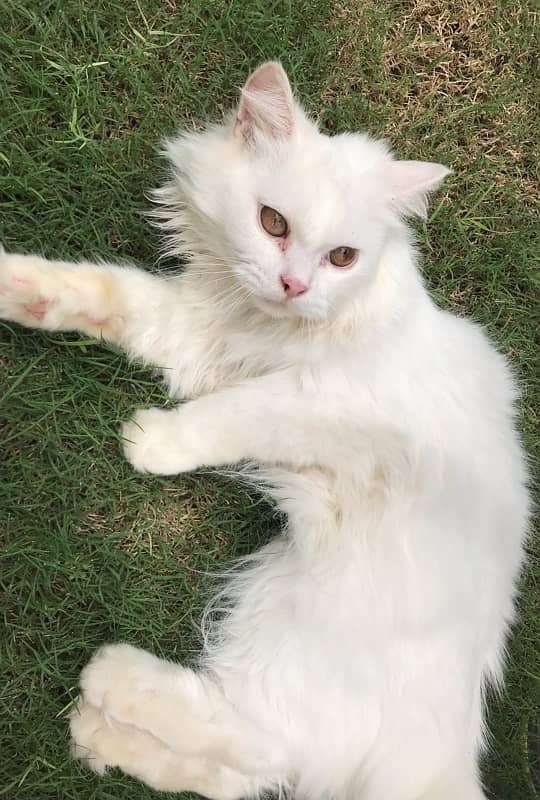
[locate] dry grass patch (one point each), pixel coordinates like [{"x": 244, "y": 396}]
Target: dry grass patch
[{"x": 457, "y": 76}]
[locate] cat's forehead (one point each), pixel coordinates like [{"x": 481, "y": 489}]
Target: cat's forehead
[{"x": 318, "y": 188}]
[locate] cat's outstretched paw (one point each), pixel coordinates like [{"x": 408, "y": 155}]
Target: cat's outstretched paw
[
  {"x": 155, "y": 442},
  {"x": 25, "y": 290},
  {"x": 42, "y": 294}
]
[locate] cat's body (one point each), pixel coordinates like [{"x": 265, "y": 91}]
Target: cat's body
[{"x": 354, "y": 651}]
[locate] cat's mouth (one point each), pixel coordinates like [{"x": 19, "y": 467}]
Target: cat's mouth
[
  {"x": 275, "y": 308},
  {"x": 286, "y": 309}
]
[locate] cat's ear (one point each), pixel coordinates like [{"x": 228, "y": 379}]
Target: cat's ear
[
  {"x": 407, "y": 184},
  {"x": 266, "y": 104}
]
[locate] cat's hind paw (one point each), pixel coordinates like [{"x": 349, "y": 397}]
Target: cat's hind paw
[
  {"x": 88, "y": 729},
  {"x": 116, "y": 674},
  {"x": 134, "y": 687},
  {"x": 100, "y": 743}
]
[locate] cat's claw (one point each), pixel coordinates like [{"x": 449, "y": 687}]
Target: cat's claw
[{"x": 153, "y": 443}]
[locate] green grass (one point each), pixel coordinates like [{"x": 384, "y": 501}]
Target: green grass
[{"x": 92, "y": 552}]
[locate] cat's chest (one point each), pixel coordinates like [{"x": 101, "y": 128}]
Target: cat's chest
[
  {"x": 219, "y": 364},
  {"x": 248, "y": 354}
]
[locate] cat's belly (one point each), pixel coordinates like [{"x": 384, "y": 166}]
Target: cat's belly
[{"x": 304, "y": 655}]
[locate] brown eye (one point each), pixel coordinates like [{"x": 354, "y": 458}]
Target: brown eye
[
  {"x": 273, "y": 222},
  {"x": 342, "y": 256}
]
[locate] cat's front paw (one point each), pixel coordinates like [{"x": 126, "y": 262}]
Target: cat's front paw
[
  {"x": 155, "y": 442},
  {"x": 25, "y": 290},
  {"x": 48, "y": 294}
]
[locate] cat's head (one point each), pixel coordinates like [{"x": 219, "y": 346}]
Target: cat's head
[{"x": 299, "y": 218}]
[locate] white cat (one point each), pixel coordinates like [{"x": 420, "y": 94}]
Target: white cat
[{"x": 355, "y": 650}]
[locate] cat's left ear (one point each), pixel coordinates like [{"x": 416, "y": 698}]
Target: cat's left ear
[
  {"x": 266, "y": 105},
  {"x": 407, "y": 184}
]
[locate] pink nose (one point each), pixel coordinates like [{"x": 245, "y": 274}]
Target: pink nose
[{"x": 292, "y": 286}]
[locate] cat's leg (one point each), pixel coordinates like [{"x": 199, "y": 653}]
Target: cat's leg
[
  {"x": 101, "y": 742},
  {"x": 123, "y": 305},
  {"x": 268, "y": 419},
  {"x": 185, "y": 710}
]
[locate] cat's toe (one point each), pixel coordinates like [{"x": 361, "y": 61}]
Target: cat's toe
[
  {"x": 21, "y": 296},
  {"x": 86, "y": 723},
  {"x": 32, "y": 294}
]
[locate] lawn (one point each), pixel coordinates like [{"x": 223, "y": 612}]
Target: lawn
[{"x": 92, "y": 552}]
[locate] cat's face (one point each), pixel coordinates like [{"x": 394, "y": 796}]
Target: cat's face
[
  {"x": 299, "y": 218},
  {"x": 301, "y": 242}
]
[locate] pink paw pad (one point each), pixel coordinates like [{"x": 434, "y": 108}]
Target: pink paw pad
[{"x": 37, "y": 309}]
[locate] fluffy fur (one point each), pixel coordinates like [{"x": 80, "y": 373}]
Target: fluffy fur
[{"x": 352, "y": 654}]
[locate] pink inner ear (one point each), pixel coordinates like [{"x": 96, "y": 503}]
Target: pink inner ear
[
  {"x": 242, "y": 122},
  {"x": 407, "y": 177},
  {"x": 269, "y": 77},
  {"x": 266, "y": 104}
]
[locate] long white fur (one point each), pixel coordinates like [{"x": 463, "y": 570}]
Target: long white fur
[{"x": 349, "y": 657}]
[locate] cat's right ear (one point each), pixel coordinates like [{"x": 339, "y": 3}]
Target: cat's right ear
[{"x": 266, "y": 105}]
